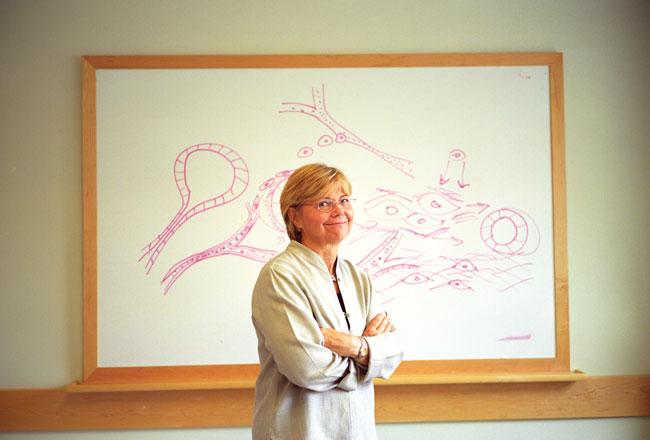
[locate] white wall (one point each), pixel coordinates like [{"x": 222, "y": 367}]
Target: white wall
[{"x": 607, "y": 102}]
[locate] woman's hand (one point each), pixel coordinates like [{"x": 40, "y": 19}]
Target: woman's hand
[
  {"x": 378, "y": 325},
  {"x": 346, "y": 345},
  {"x": 340, "y": 343}
]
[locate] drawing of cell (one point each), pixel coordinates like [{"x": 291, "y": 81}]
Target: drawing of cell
[
  {"x": 325, "y": 141},
  {"x": 388, "y": 206},
  {"x": 505, "y": 231},
  {"x": 305, "y": 152},
  {"x": 465, "y": 266},
  {"x": 381, "y": 251},
  {"x": 455, "y": 168},
  {"x": 391, "y": 210},
  {"x": 457, "y": 155},
  {"x": 271, "y": 204},
  {"x": 421, "y": 220},
  {"x": 426, "y": 215},
  {"x": 439, "y": 202},
  {"x": 268, "y": 183},
  {"x": 459, "y": 285},
  {"x": 401, "y": 211},
  {"x": 415, "y": 278}
]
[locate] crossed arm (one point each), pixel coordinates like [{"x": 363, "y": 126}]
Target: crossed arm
[
  {"x": 347, "y": 345},
  {"x": 311, "y": 357}
]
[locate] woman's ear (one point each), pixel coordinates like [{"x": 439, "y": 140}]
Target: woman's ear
[{"x": 294, "y": 218}]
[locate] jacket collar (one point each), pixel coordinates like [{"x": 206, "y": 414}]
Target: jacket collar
[{"x": 312, "y": 257}]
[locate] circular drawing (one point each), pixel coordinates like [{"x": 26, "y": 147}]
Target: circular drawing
[{"x": 505, "y": 231}]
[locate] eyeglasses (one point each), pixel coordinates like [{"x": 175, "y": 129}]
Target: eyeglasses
[{"x": 326, "y": 205}]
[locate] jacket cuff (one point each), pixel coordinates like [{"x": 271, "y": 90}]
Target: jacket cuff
[{"x": 375, "y": 359}]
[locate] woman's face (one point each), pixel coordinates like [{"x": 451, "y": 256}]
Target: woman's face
[{"x": 324, "y": 222}]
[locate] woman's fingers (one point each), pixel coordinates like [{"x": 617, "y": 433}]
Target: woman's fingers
[
  {"x": 378, "y": 325},
  {"x": 384, "y": 325}
]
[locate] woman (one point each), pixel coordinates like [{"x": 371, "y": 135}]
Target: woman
[{"x": 320, "y": 340}]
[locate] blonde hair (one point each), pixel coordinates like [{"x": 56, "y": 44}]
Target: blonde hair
[{"x": 310, "y": 182}]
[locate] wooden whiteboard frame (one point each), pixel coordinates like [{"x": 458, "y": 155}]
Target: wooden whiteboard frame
[{"x": 243, "y": 376}]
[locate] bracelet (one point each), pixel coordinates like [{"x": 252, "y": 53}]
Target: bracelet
[{"x": 363, "y": 348}]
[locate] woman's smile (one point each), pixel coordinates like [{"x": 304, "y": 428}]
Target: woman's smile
[
  {"x": 321, "y": 228},
  {"x": 338, "y": 223}
]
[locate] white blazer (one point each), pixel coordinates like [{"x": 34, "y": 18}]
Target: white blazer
[{"x": 304, "y": 390}]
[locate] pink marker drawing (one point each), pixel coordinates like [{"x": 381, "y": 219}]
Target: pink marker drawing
[
  {"x": 423, "y": 238},
  {"x": 506, "y": 231},
  {"x": 268, "y": 192},
  {"x": 516, "y": 338},
  {"x": 390, "y": 244},
  {"x": 318, "y": 110},
  {"x": 455, "y": 167},
  {"x": 430, "y": 214},
  {"x": 325, "y": 141},
  {"x": 397, "y": 218},
  {"x": 378, "y": 256},
  {"x": 236, "y": 187},
  {"x": 304, "y": 152},
  {"x": 262, "y": 206}
]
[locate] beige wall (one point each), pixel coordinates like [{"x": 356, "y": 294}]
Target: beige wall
[{"x": 607, "y": 102}]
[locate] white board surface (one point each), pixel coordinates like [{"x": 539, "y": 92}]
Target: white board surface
[{"x": 451, "y": 171}]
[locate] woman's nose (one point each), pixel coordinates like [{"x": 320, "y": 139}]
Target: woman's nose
[{"x": 337, "y": 209}]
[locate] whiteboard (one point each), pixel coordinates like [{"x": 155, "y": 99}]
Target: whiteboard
[{"x": 452, "y": 173}]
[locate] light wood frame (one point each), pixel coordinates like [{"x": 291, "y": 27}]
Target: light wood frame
[{"x": 242, "y": 376}]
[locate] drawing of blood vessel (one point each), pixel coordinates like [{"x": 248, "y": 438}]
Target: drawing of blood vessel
[
  {"x": 261, "y": 208},
  {"x": 340, "y": 134},
  {"x": 236, "y": 187},
  {"x": 268, "y": 193},
  {"x": 510, "y": 232}
]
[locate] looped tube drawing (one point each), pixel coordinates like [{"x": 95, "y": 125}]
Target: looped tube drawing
[{"x": 236, "y": 188}]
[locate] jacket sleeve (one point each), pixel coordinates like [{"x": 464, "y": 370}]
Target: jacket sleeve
[
  {"x": 386, "y": 350},
  {"x": 283, "y": 315}
]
